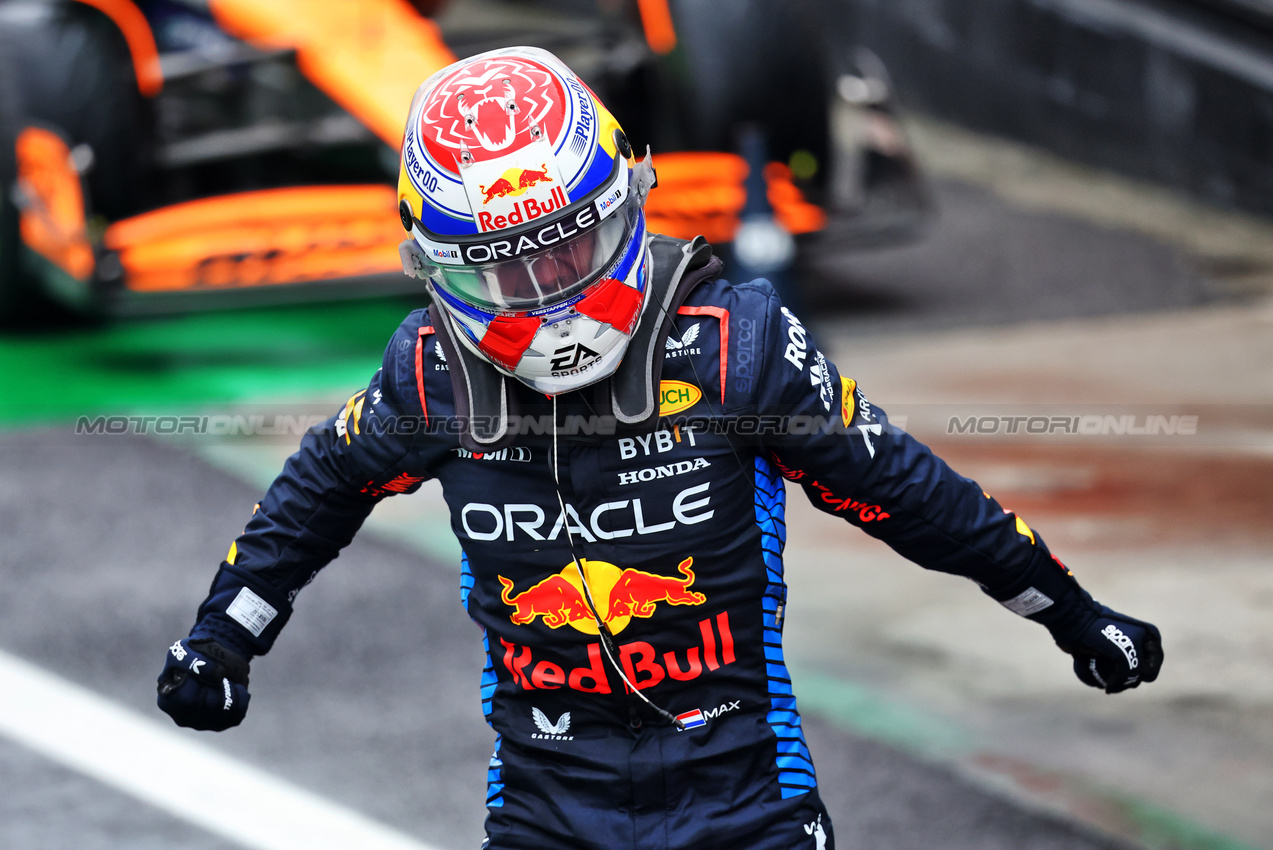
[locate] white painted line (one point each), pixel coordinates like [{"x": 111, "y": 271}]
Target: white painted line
[{"x": 171, "y": 771}]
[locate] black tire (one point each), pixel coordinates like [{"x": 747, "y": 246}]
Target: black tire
[
  {"x": 14, "y": 292},
  {"x": 74, "y": 72},
  {"x": 67, "y": 66}
]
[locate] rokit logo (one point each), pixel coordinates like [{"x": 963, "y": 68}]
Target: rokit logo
[
  {"x": 572, "y": 358},
  {"x": 797, "y": 341},
  {"x": 549, "y": 730},
  {"x": 517, "y": 454},
  {"x": 680, "y": 347}
]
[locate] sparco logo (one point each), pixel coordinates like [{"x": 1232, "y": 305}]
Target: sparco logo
[
  {"x": 744, "y": 356},
  {"x": 1123, "y": 642},
  {"x": 571, "y": 357}
]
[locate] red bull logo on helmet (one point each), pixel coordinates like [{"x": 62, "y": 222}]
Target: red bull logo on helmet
[
  {"x": 514, "y": 181},
  {"x": 619, "y": 595},
  {"x": 516, "y": 189}
]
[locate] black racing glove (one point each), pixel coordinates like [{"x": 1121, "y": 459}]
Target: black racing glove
[
  {"x": 1111, "y": 651},
  {"x": 204, "y": 685},
  {"x": 1115, "y": 652}
]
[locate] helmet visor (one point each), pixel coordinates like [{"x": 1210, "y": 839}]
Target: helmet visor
[{"x": 546, "y": 277}]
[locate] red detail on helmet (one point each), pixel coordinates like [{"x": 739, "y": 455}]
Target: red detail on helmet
[
  {"x": 489, "y": 107},
  {"x": 507, "y": 338},
  {"x": 614, "y": 303}
]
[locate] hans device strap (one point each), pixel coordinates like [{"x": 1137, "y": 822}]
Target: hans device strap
[{"x": 485, "y": 402}]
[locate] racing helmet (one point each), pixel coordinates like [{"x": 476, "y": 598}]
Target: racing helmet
[{"x": 525, "y": 209}]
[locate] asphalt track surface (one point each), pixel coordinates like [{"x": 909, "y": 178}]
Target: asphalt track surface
[
  {"x": 369, "y": 698},
  {"x": 982, "y": 261}
]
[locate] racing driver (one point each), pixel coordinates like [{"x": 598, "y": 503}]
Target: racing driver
[{"x": 611, "y": 424}]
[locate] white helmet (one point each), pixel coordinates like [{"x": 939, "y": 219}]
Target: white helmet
[{"x": 525, "y": 208}]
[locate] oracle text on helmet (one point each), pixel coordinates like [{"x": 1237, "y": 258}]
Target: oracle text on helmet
[{"x": 536, "y": 240}]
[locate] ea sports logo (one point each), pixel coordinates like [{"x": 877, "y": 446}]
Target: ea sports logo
[{"x": 490, "y": 107}]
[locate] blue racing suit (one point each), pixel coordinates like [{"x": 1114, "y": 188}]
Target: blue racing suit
[{"x": 680, "y": 528}]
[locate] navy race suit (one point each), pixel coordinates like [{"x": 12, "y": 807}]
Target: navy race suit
[{"x": 681, "y": 529}]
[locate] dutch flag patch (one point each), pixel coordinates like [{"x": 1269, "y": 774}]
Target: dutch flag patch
[{"x": 692, "y": 719}]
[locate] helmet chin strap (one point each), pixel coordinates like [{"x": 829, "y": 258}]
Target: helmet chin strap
[{"x": 485, "y": 401}]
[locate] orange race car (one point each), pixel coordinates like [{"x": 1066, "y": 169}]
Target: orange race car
[{"x": 161, "y": 155}]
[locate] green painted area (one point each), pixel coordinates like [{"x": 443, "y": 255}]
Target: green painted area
[
  {"x": 269, "y": 354},
  {"x": 1159, "y": 829}
]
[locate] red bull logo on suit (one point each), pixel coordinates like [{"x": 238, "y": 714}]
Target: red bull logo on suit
[{"x": 619, "y": 595}]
